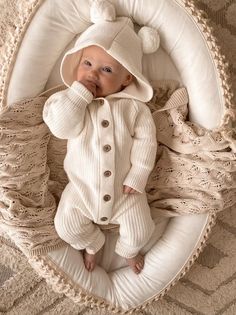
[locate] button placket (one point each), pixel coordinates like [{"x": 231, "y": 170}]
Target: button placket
[{"x": 107, "y": 163}]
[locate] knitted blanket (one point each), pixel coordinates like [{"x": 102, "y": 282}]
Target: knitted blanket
[
  {"x": 195, "y": 171},
  {"x": 195, "y": 168}
]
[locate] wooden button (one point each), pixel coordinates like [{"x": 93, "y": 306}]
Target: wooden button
[
  {"x": 105, "y": 123},
  {"x": 107, "y": 148},
  {"x": 107, "y": 173},
  {"x": 106, "y": 197},
  {"x": 104, "y": 219}
]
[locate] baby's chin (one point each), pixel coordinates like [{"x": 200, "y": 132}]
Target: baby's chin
[{"x": 101, "y": 93}]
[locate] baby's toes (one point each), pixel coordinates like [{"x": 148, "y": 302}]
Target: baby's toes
[
  {"x": 92, "y": 266},
  {"x": 87, "y": 265},
  {"x": 139, "y": 265}
]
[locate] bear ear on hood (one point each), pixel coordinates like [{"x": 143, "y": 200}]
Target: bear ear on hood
[
  {"x": 103, "y": 10},
  {"x": 150, "y": 39}
]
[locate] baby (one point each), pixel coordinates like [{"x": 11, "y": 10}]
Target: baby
[{"x": 111, "y": 142}]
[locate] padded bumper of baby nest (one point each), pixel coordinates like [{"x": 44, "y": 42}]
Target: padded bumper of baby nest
[
  {"x": 186, "y": 56},
  {"x": 171, "y": 251},
  {"x": 57, "y": 22}
]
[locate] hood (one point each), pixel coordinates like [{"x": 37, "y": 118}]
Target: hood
[{"x": 119, "y": 40}]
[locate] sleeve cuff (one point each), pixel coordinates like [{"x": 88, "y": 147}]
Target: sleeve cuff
[
  {"x": 137, "y": 179},
  {"x": 77, "y": 91}
]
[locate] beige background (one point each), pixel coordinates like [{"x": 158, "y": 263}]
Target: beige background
[{"x": 210, "y": 286}]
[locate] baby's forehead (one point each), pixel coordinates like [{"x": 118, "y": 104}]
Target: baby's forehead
[{"x": 99, "y": 54}]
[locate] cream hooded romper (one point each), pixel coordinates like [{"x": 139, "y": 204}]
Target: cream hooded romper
[{"x": 111, "y": 143}]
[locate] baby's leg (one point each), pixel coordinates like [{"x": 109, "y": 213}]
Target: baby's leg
[
  {"x": 79, "y": 231},
  {"x": 136, "y": 228}
]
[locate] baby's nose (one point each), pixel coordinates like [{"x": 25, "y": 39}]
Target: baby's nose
[{"x": 93, "y": 74}]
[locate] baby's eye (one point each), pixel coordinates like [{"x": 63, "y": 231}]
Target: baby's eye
[
  {"x": 87, "y": 63},
  {"x": 107, "y": 69}
]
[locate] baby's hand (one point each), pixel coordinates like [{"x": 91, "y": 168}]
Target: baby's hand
[{"x": 129, "y": 190}]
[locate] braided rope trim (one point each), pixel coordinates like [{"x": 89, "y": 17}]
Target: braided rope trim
[
  {"x": 222, "y": 66},
  {"x": 189, "y": 264},
  {"x": 26, "y": 10},
  {"x": 61, "y": 283}
]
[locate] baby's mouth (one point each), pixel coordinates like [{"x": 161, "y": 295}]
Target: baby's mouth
[{"x": 93, "y": 84}]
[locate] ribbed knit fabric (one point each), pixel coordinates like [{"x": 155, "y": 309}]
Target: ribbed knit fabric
[
  {"x": 136, "y": 226},
  {"x": 76, "y": 229},
  {"x": 62, "y": 119},
  {"x": 111, "y": 143}
]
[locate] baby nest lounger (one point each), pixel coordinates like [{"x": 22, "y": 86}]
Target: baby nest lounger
[{"x": 32, "y": 175}]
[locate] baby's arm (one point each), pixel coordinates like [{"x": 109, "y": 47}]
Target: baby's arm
[
  {"x": 143, "y": 152},
  {"x": 64, "y": 111}
]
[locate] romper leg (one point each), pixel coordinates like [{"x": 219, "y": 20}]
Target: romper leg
[
  {"x": 76, "y": 229},
  {"x": 136, "y": 228}
]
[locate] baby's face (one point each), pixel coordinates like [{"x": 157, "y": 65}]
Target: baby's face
[{"x": 100, "y": 73}]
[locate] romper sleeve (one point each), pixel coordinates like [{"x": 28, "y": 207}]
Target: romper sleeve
[
  {"x": 143, "y": 152},
  {"x": 64, "y": 111}
]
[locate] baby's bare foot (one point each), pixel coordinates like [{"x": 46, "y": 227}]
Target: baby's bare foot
[
  {"x": 136, "y": 263},
  {"x": 89, "y": 261}
]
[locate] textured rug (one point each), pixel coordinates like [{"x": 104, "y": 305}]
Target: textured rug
[{"x": 210, "y": 286}]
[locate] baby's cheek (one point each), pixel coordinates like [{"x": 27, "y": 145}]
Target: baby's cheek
[{"x": 78, "y": 76}]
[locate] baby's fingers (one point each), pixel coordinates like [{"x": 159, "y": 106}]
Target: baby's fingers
[{"x": 128, "y": 190}]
